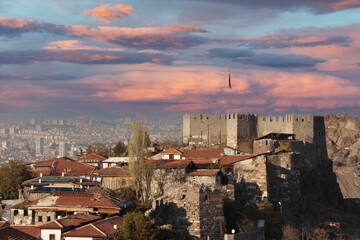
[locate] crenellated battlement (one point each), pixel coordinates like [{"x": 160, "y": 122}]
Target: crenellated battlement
[
  {"x": 209, "y": 129},
  {"x": 287, "y": 118}
]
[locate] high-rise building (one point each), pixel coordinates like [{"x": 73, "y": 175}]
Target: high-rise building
[
  {"x": 4, "y": 144},
  {"x": 39, "y": 146},
  {"x": 38, "y": 127},
  {"x": 62, "y": 149},
  {"x": 12, "y": 130}
]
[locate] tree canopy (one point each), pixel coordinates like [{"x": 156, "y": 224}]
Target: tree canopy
[
  {"x": 99, "y": 148},
  {"x": 12, "y": 175},
  {"x": 137, "y": 152},
  {"x": 120, "y": 149}
]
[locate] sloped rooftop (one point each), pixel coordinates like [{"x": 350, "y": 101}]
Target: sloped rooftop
[{"x": 100, "y": 229}]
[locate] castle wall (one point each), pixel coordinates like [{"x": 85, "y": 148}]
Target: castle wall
[
  {"x": 268, "y": 124},
  {"x": 240, "y": 128},
  {"x": 283, "y": 174},
  {"x": 204, "y": 129},
  {"x": 269, "y": 177},
  {"x": 251, "y": 175},
  {"x": 234, "y": 129}
]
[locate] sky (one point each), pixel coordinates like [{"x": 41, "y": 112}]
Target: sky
[{"x": 146, "y": 58}]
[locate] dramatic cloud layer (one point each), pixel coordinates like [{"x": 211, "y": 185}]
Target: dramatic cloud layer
[
  {"x": 281, "y": 61},
  {"x": 81, "y": 57},
  {"x": 107, "y": 13},
  {"x": 169, "y": 57},
  {"x": 282, "y": 40},
  {"x": 168, "y": 37},
  {"x": 319, "y": 6}
]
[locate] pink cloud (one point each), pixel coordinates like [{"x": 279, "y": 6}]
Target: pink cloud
[
  {"x": 340, "y": 5},
  {"x": 75, "y": 45},
  {"x": 18, "y": 23},
  {"x": 107, "y": 13},
  {"x": 166, "y": 37},
  {"x": 205, "y": 88},
  {"x": 189, "y": 89}
]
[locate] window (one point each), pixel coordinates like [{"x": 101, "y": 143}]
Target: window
[
  {"x": 171, "y": 156},
  {"x": 25, "y": 213},
  {"x": 16, "y": 212},
  {"x": 51, "y": 236},
  {"x": 40, "y": 219},
  {"x": 48, "y": 219}
]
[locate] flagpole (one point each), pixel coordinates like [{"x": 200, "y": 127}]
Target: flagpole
[{"x": 229, "y": 93}]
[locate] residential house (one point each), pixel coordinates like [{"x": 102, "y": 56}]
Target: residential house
[
  {"x": 103, "y": 229},
  {"x": 46, "y": 185},
  {"x": 114, "y": 177},
  {"x": 93, "y": 160},
  {"x": 63, "y": 167},
  {"x": 55, "y": 229},
  {"x": 58, "y": 205},
  {"x": 115, "y": 161}
]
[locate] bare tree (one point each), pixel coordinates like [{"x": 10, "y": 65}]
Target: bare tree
[
  {"x": 290, "y": 232},
  {"x": 137, "y": 152}
]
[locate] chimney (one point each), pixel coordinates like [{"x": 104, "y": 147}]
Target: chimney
[
  {"x": 41, "y": 174},
  {"x": 81, "y": 180},
  {"x": 39, "y": 180},
  {"x": 63, "y": 174},
  {"x": 115, "y": 226}
]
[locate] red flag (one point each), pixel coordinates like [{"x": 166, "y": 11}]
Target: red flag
[{"x": 229, "y": 79}]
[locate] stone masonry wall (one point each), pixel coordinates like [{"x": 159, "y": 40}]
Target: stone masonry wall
[
  {"x": 204, "y": 129},
  {"x": 235, "y": 128},
  {"x": 251, "y": 176},
  {"x": 283, "y": 177},
  {"x": 191, "y": 209},
  {"x": 273, "y": 177}
]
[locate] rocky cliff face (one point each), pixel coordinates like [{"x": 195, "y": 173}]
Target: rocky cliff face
[{"x": 343, "y": 144}]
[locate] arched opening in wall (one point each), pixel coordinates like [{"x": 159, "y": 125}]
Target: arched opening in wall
[{"x": 205, "y": 198}]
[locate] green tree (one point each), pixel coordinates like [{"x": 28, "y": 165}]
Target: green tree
[
  {"x": 11, "y": 177},
  {"x": 120, "y": 149},
  {"x": 136, "y": 226},
  {"x": 141, "y": 173},
  {"x": 99, "y": 148}
]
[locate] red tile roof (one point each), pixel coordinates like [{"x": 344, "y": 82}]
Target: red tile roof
[
  {"x": 204, "y": 172},
  {"x": 228, "y": 160},
  {"x": 202, "y": 164},
  {"x": 168, "y": 163},
  {"x": 171, "y": 151},
  {"x": 70, "y": 221},
  {"x": 65, "y": 164},
  {"x": 100, "y": 229},
  {"x": 48, "y": 163},
  {"x": 114, "y": 172},
  {"x": 3, "y": 224},
  {"x": 92, "y": 156},
  {"x": 74, "y": 199},
  {"x": 20, "y": 232},
  {"x": 210, "y": 153}
]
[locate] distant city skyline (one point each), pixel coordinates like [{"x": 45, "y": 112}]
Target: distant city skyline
[{"x": 157, "y": 58}]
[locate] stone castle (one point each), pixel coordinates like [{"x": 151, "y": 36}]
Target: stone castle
[{"x": 233, "y": 129}]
